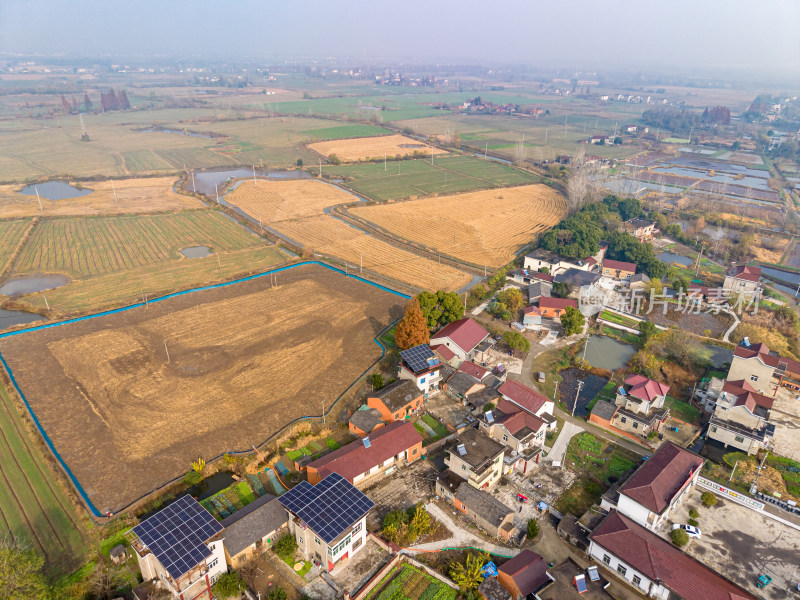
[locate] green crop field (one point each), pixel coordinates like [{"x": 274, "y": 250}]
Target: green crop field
[
  {"x": 34, "y": 510},
  {"x": 417, "y": 177},
  {"x": 11, "y": 233},
  {"x": 87, "y": 247}
]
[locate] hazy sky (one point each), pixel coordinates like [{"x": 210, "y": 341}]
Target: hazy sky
[{"x": 644, "y": 34}]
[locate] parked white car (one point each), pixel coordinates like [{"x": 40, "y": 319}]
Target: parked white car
[{"x": 691, "y": 530}]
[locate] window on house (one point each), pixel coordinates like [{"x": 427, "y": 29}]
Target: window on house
[
  {"x": 422, "y": 380},
  {"x": 635, "y": 425},
  {"x": 621, "y": 570},
  {"x": 739, "y": 438},
  {"x": 624, "y": 419},
  {"x": 414, "y": 451},
  {"x": 299, "y": 540},
  {"x": 357, "y": 543},
  {"x": 753, "y": 377},
  {"x": 463, "y": 467},
  {"x": 463, "y": 506},
  {"x": 714, "y": 429},
  {"x": 316, "y": 540},
  {"x": 357, "y": 528},
  {"x": 396, "y": 415},
  {"x": 505, "y": 438},
  {"x": 606, "y": 559},
  {"x": 637, "y": 580},
  {"x": 213, "y": 563}
]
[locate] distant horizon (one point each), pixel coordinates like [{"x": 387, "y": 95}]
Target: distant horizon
[{"x": 706, "y": 37}]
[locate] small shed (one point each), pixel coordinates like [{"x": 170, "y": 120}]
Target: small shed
[{"x": 118, "y": 554}]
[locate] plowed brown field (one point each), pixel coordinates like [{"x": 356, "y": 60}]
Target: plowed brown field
[
  {"x": 355, "y": 149},
  {"x": 484, "y": 228},
  {"x": 274, "y": 201},
  {"x": 244, "y": 360},
  {"x": 133, "y": 196}
]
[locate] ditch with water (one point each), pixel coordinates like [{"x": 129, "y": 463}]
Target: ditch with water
[{"x": 54, "y": 190}]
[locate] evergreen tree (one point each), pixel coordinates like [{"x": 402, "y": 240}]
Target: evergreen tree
[
  {"x": 87, "y": 103},
  {"x": 412, "y": 330},
  {"x": 122, "y": 100}
]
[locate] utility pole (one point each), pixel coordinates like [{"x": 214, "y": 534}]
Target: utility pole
[
  {"x": 216, "y": 191},
  {"x": 254, "y": 175},
  {"x": 167, "y": 351},
  {"x": 736, "y": 464},
  {"x": 578, "y": 393},
  {"x": 39, "y": 198},
  {"x": 46, "y": 303},
  {"x": 113, "y": 189},
  {"x": 586, "y": 345},
  {"x": 753, "y": 487},
  {"x": 697, "y": 266},
  {"x": 323, "y": 412}
]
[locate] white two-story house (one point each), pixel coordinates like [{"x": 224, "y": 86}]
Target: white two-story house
[
  {"x": 476, "y": 457},
  {"x": 421, "y": 365}
]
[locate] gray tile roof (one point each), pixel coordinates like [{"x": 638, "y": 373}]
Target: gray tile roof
[
  {"x": 398, "y": 394},
  {"x": 366, "y": 420},
  {"x": 246, "y": 526},
  {"x": 482, "y": 504},
  {"x": 460, "y": 382},
  {"x": 604, "y": 410},
  {"x": 539, "y": 288},
  {"x": 578, "y": 277},
  {"x": 492, "y": 590}
]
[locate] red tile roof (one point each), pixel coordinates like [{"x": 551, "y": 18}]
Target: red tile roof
[
  {"x": 532, "y": 310},
  {"x": 590, "y": 261},
  {"x": 657, "y": 481},
  {"x": 444, "y": 351},
  {"x": 746, "y": 273},
  {"x": 542, "y": 276},
  {"x": 519, "y": 420},
  {"x": 354, "y": 459},
  {"x": 470, "y": 368},
  {"x": 557, "y": 303},
  {"x": 657, "y": 559},
  {"x": 522, "y": 396},
  {"x": 464, "y": 333},
  {"x": 644, "y": 388},
  {"x": 746, "y": 396},
  {"x": 528, "y": 570},
  {"x": 618, "y": 265},
  {"x": 763, "y": 352}
]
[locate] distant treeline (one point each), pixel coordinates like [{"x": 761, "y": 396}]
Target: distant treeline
[{"x": 681, "y": 120}]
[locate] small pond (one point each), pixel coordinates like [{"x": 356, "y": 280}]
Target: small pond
[
  {"x": 607, "y": 353},
  {"x": 205, "y": 181},
  {"x": 178, "y": 131},
  {"x": 30, "y": 284},
  {"x": 54, "y": 190},
  {"x": 196, "y": 252},
  {"x": 568, "y": 388},
  {"x": 782, "y": 275},
  {"x": 9, "y": 318},
  {"x": 669, "y": 257}
]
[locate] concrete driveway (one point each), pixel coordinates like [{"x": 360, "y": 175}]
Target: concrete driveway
[{"x": 559, "y": 449}]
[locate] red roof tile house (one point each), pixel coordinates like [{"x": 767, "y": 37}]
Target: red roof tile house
[
  {"x": 740, "y": 417},
  {"x": 524, "y": 574},
  {"x": 618, "y": 269},
  {"x": 657, "y": 486},
  {"x": 654, "y": 566},
  {"x": 762, "y": 368},
  {"x": 465, "y": 338},
  {"x": 553, "y": 308},
  {"x": 742, "y": 280},
  {"x": 640, "y": 403},
  {"x": 397, "y": 400},
  {"x": 527, "y": 399},
  {"x": 520, "y": 431},
  {"x": 364, "y": 460}
]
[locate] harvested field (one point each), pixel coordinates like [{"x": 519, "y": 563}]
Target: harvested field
[
  {"x": 484, "y": 228},
  {"x": 11, "y": 234},
  {"x": 83, "y": 247},
  {"x": 244, "y": 360},
  {"x": 275, "y": 201},
  {"x": 356, "y": 149},
  {"x": 333, "y": 237},
  {"x": 133, "y": 196}
]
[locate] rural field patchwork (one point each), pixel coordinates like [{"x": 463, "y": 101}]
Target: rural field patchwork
[
  {"x": 356, "y": 149},
  {"x": 86, "y": 247},
  {"x": 127, "y": 419},
  {"x": 275, "y": 201},
  {"x": 133, "y": 196},
  {"x": 484, "y": 228}
]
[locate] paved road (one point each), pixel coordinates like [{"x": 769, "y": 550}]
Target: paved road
[
  {"x": 559, "y": 448},
  {"x": 461, "y": 538},
  {"x": 526, "y": 378}
]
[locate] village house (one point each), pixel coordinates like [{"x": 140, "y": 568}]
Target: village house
[
  {"x": 762, "y": 368},
  {"x": 618, "y": 269},
  {"x": 542, "y": 259},
  {"x": 654, "y": 566},
  {"x": 483, "y": 509},
  {"x": 397, "y": 400},
  {"x": 528, "y": 400},
  {"x": 180, "y": 549},
  {"x": 372, "y": 457},
  {"x": 537, "y": 289},
  {"x": 742, "y": 280},
  {"x": 523, "y": 575},
  {"x": 553, "y": 308},
  {"x": 420, "y": 365},
  {"x": 598, "y": 139},
  {"x": 528, "y": 276},
  {"x": 461, "y": 385},
  {"x": 640, "y": 403},
  {"x": 739, "y": 415},
  {"x": 328, "y": 520},
  {"x": 521, "y": 432},
  {"x": 446, "y": 357},
  {"x": 476, "y": 457},
  {"x": 364, "y": 421},
  {"x": 465, "y": 338},
  {"x": 639, "y": 282},
  {"x": 642, "y": 229},
  {"x": 252, "y": 530},
  {"x": 579, "y": 282},
  {"x": 532, "y": 317},
  {"x": 656, "y": 487},
  {"x": 490, "y": 589}
]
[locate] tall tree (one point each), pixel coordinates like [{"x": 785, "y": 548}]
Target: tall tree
[
  {"x": 412, "y": 330},
  {"x": 468, "y": 575},
  {"x": 65, "y": 103},
  {"x": 440, "y": 308},
  {"x": 87, "y": 102},
  {"x": 20, "y": 572},
  {"x": 572, "y": 320},
  {"x": 122, "y": 99}
]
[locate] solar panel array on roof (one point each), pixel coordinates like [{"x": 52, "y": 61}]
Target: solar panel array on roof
[
  {"x": 177, "y": 535},
  {"x": 417, "y": 357},
  {"x": 328, "y": 508}
]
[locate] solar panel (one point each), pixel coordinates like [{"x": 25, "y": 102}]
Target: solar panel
[
  {"x": 176, "y": 535},
  {"x": 489, "y": 417},
  {"x": 417, "y": 357},
  {"x": 330, "y": 507},
  {"x": 622, "y": 391}
]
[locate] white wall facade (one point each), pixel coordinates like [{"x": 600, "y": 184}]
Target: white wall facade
[
  {"x": 622, "y": 569},
  {"x": 314, "y": 548}
]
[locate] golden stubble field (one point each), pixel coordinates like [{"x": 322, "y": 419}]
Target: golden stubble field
[
  {"x": 296, "y": 209},
  {"x": 244, "y": 360},
  {"x": 356, "y": 149},
  {"x": 484, "y": 228},
  {"x": 146, "y": 195}
]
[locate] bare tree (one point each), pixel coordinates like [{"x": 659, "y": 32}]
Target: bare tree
[
  {"x": 584, "y": 183},
  {"x": 520, "y": 153}
]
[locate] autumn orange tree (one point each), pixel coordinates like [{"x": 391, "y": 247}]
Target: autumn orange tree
[{"x": 412, "y": 330}]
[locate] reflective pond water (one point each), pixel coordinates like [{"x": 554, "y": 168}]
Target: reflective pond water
[
  {"x": 30, "y": 284},
  {"x": 54, "y": 190},
  {"x": 196, "y": 251}
]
